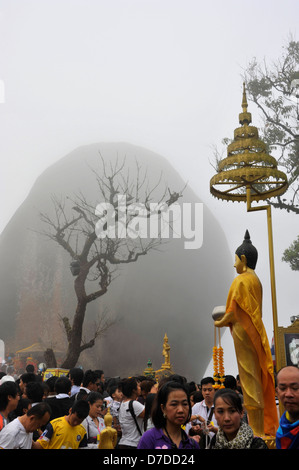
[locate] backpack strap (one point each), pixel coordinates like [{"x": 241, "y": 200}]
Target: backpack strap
[{"x": 131, "y": 409}]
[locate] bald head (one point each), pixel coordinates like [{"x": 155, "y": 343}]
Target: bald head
[{"x": 288, "y": 390}]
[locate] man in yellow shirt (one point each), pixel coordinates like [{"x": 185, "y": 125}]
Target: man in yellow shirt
[{"x": 66, "y": 432}]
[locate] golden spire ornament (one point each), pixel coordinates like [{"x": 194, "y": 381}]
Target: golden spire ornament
[{"x": 247, "y": 165}]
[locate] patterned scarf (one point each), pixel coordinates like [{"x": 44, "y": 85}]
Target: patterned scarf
[
  {"x": 287, "y": 436},
  {"x": 242, "y": 440}
]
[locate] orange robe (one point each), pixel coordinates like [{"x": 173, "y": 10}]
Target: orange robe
[{"x": 252, "y": 347}]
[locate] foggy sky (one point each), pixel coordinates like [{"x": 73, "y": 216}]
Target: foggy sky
[{"x": 165, "y": 75}]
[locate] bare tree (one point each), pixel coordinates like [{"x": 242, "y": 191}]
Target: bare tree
[{"x": 96, "y": 256}]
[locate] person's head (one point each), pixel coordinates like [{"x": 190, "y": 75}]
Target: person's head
[
  {"x": 78, "y": 412},
  {"x": 91, "y": 380},
  {"x": 36, "y": 417},
  {"x": 246, "y": 255},
  {"x": 115, "y": 392},
  {"x": 287, "y": 389},
  {"x": 228, "y": 411},
  {"x": 95, "y": 401},
  {"x": 46, "y": 389},
  {"x": 76, "y": 376},
  {"x": 101, "y": 375},
  {"x": 63, "y": 385},
  {"x": 146, "y": 386},
  {"x": 207, "y": 389},
  {"x": 25, "y": 379},
  {"x": 30, "y": 368},
  {"x": 230, "y": 382},
  {"x": 9, "y": 396},
  {"x": 192, "y": 387},
  {"x": 178, "y": 378},
  {"x": 34, "y": 392},
  {"x": 130, "y": 388},
  {"x": 195, "y": 397},
  {"x": 171, "y": 405},
  {"x": 23, "y": 406},
  {"x": 51, "y": 384}
]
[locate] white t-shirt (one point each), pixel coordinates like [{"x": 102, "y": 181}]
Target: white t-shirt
[
  {"x": 130, "y": 433},
  {"x": 14, "y": 436}
]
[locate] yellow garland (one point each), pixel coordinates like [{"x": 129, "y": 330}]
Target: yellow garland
[{"x": 218, "y": 365}]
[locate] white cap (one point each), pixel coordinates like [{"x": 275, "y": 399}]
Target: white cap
[{"x": 6, "y": 378}]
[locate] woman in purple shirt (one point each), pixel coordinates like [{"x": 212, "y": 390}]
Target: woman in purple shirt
[{"x": 171, "y": 411}]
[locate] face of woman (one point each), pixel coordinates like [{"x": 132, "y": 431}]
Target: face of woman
[
  {"x": 228, "y": 418},
  {"x": 176, "y": 409},
  {"x": 96, "y": 408}
]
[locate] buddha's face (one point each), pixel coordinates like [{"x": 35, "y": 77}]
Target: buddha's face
[{"x": 240, "y": 264}]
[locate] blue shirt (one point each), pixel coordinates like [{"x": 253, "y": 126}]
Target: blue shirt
[{"x": 156, "y": 439}]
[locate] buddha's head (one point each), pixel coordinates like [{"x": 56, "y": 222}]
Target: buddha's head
[{"x": 246, "y": 255}]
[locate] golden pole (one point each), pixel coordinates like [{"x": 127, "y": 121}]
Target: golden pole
[{"x": 272, "y": 271}]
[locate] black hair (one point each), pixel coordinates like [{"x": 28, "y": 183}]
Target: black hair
[
  {"x": 82, "y": 394},
  {"x": 197, "y": 396},
  {"x": 80, "y": 408},
  {"x": 146, "y": 385},
  {"x": 111, "y": 389},
  {"x": 99, "y": 372},
  {"x": 92, "y": 397},
  {"x": 247, "y": 249},
  {"x": 34, "y": 391},
  {"x": 89, "y": 377},
  {"x": 230, "y": 382},
  {"x": 230, "y": 397},
  {"x": 178, "y": 378},
  {"x": 207, "y": 380},
  {"x": 76, "y": 375},
  {"x": 149, "y": 401},
  {"x": 7, "y": 389},
  {"x": 51, "y": 382},
  {"x": 28, "y": 377},
  {"x": 63, "y": 385},
  {"x": 127, "y": 386},
  {"x": 161, "y": 398}
]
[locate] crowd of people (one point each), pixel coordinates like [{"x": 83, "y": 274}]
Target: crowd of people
[{"x": 68, "y": 412}]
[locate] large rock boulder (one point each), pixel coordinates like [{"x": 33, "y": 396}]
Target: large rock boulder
[{"x": 172, "y": 291}]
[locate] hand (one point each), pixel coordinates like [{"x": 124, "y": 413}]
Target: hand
[
  {"x": 195, "y": 417},
  {"x": 196, "y": 438},
  {"x": 226, "y": 320},
  {"x": 212, "y": 428}
]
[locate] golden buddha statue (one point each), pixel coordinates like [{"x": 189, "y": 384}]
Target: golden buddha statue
[
  {"x": 108, "y": 436},
  {"x": 166, "y": 353},
  {"x": 243, "y": 315}
]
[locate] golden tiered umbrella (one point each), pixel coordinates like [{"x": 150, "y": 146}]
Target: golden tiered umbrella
[
  {"x": 248, "y": 168},
  {"x": 249, "y": 173}
]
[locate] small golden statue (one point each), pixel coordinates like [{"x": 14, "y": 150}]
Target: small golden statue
[
  {"x": 108, "y": 437},
  {"x": 166, "y": 368},
  {"x": 243, "y": 315},
  {"x": 166, "y": 353}
]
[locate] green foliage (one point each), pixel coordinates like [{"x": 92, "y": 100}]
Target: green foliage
[
  {"x": 270, "y": 88},
  {"x": 291, "y": 255}
]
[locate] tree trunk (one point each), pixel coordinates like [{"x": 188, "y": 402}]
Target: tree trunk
[
  {"x": 50, "y": 359},
  {"x": 75, "y": 337}
]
